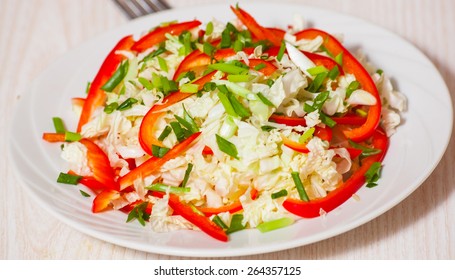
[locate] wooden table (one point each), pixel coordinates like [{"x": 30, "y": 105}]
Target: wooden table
[{"x": 33, "y": 33}]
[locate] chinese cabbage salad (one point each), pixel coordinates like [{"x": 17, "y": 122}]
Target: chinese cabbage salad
[{"x": 221, "y": 127}]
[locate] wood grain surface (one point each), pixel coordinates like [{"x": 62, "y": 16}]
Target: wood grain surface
[{"x": 34, "y": 33}]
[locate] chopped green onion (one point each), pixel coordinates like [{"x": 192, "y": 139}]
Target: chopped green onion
[
  {"x": 117, "y": 77},
  {"x": 373, "y": 174},
  {"x": 158, "y": 151},
  {"x": 139, "y": 212},
  {"x": 110, "y": 107},
  {"x": 339, "y": 58},
  {"x": 334, "y": 73},
  {"x": 238, "y": 45},
  {"x": 69, "y": 179},
  {"x": 84, "y": 194},
  {"x": 318, "y": 102},
  {"x": 208, "y": 49},
  {"x": 168, "y": 85},
  {"x": 265, "y": 100},
  {"x": 226, "y": 147},
  {"x": 225, "y": 39},
  {"x": 281, "y": 51},
  {"x": 209, "y": 29},
  {"x": 217, "y": 220},
  {"x": 190, "y": 75},
  {"x": 154, "y": 53},
  {"x": 72, "y": 136},
  {"x": 299, "y": 185},
  {"x": 189, "y": 88},
  {"x": 306, "y": 135},
  {"x": 178, "y": 131},
  {"x": 228, "y": 68},
  {"x": 146, "y": 83},
  {"x": 326, "y": 119},
  {"x": 58, "y": 125},
  {"x": 228, "y": 128},
  {"x": 165, "y": 133},
  {"x": 354, "y": 85},
  {"x": 187, "y": 175},
  {"x": 279, "y": 194},
  {"x": 163, "y": 64},
  {"x": 237, "y": 89},
  {"x": 188, "y": 118},
  {"x": 275, "y": 224},
  {"x": 165, "y": 188},
  {"x": 267, "y": 128},
  {"x": 317, "y": 82},
  {"x": 380, "y": 71},
  {"x": 225, "y": 101},
  {"x": 259, "y": 66},
  {"x": 313, "y": 71},
  {"x": 209, "y": 86},
  {"x": 239, "y": 78},
  {"x": 270, "y": 82},
  {"x": 236, "y": 224},
  {"x": 238, "y": 107},
  {"x": 127, "y": 104},
  {"x": 190, "y": 125},
  {"x": 366, "y": 151}
]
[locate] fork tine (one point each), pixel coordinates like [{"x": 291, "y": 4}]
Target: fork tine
[
  {"x": 137, "y": 8},
  {"x": 126, "y": 8}
]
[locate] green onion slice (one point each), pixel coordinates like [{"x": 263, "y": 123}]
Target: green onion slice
[
  {"x": 58, "y": 125},
  {"x": 127, "y": 104},
  {"x": 236, "y": 223},
  {"x": 159, "y": 187},
  {"x": 72, "y": 136},
  {"x": 217, "y": 220},
  {"x": 279, "y": 194},
  {"x": 166, "y": 131},
  {"x": 373, "y": 174},
  {"x": 265, "y": 100},
  {"x": 69, "y": 179},
  {"x": 117, "y": 77},
  {"x": 275, "y": 224},
  {"x": 299, "y": 185},
  {"x": 281, "y": 51},
  {"x": 187, "y": 175},
  {"x": 158, "y": 151},
  {"x": 226, "y": 147}
]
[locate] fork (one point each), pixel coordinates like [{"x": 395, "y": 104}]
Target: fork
[{"x": 137, "y": 8}]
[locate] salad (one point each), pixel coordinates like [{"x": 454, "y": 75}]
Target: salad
[{"x": 221, "y": 127}]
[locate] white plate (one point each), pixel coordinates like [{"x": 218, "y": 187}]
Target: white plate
[{"x": 415, "y": 149}]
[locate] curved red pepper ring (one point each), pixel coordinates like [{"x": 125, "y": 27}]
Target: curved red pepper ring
[
  {"x": 325, "y": 61},
  {"x": 153, "y": 164},
  {"x": 99, "y": 164},
  {"x": 147, "y": 130},
  {"x": 96, "y": 96},
  {"x": 158, "y": 35},
  {"x": 351, "y": 65},
  {"x": 337, "y": 197},
  {"x": 202, "y": 222}
]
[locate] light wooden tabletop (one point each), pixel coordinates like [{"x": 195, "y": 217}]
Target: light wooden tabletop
[{"x": 34, "y": 33}]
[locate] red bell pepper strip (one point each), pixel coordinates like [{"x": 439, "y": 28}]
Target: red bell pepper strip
[
  {"x": 277, "y": 31},
  {"x": 153, "y": 164},
  {"x": 259, "y": 32},
  {"x": 78, "y": 101},
  {"x": 231, "y": 208},
  {"x": 269, "y": 68},
  {"x": 96, "y": 96},
  {"x": 337, "y": 197},
  {"x": 90, "y": 182},
  {"x": 202, "y": 222},
  {"x": 158, "y": 35},
  {"x": 351, "y": 65},
  {"x": 103, "y": 200},
  {"x": 54, "y": 137},
  {"x": 147, "y": 130},
  {"x": 183, "y": 65},
  {"x": 99, "y": 164}
]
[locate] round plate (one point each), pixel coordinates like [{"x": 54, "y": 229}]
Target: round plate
[{"x": 414, "y": 152}]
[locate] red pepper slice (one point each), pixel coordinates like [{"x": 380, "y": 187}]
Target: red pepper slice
[
  {"x": 54, "y": 137},
  {"x": 183, "y": 66},
  {"x": 259, "y": 32},
  {"x": 99, "y": 164},
  {"x": 90, "y": 182},
  {"x": 337, "y": 197},
  {"x": 351, "y": 65},
  {"x": 325, "y": 61},
  {"x": 78, "y": 101},
  {"x": 147, "y": 130},
  {"x": 269, "y": 68},
  {"x": 96, "y": 96},
  {"x": 153, "y": 164},
  {"x": 202, "y": 222},
  {"x": 158, "y": 35},
  {"x": 103, "y": 200}
]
